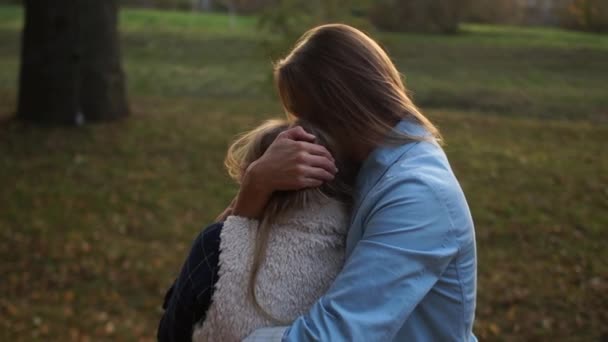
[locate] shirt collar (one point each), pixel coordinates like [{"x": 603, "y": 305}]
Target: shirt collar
[{"x": 381, "y": 158}]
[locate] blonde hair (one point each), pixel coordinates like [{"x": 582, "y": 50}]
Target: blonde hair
[
  {"x": 249, "y": 147},
  {"x": 338, "y": 78}
]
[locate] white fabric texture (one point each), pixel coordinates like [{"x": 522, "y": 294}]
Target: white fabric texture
[{"x": 304, "y": 255}]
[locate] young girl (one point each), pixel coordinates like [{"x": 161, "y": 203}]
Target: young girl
[{"x": 274, "y": 269}]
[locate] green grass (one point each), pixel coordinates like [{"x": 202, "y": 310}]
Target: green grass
[{"x": 95, "y": 221}]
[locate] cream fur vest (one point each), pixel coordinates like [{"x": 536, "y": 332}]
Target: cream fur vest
[{"x": 305, "y": 253}]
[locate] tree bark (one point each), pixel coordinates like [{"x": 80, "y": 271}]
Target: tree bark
[{"x": 70, "y": 62}]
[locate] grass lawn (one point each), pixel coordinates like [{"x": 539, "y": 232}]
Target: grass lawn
[{"x": 95, "y": 221}]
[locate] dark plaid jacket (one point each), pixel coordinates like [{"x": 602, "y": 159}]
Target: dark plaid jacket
[{"x": 188, "y": 299}]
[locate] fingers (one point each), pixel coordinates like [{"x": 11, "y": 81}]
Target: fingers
[
  {"x": 311, "y": 177},
  {"x": 321, "y": 162},
  {"x": 305, "y": 141},
  {"x": 317, "y": 173},
  {"x": 297, "y": 133},
  {"x": 316, "y": 149},
  {"x": 310, "y": 183}
]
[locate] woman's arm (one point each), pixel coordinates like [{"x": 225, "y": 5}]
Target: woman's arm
[
  {"x": 407, "y": 244},
  {"x": 292, "y": 162}
]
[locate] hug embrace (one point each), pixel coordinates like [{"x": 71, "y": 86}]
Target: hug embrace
[{"x": 349, "y": 224}]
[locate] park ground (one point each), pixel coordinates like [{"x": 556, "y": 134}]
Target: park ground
[{"x": 95, "y": 221}]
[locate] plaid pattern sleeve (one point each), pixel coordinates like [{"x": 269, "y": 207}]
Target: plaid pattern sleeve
[
  {"x": 275, "y": 334},
  {"x": 188, "y": 299}
]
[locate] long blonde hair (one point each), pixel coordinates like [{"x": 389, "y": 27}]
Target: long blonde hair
[
  {"x": 251, "y": 146},
  {"x": 338, "y": 78}
]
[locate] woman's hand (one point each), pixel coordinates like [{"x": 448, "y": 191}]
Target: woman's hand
[{"x": 292, "y": 162}]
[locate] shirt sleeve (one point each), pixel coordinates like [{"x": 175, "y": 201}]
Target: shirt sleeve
[
  {"x": 274, "y": 334},
  {"x": 188, "y": 299},
  {"x": 408, "y": 242}
]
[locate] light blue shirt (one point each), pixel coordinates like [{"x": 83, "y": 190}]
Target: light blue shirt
[{"x": 410, "y": 271}]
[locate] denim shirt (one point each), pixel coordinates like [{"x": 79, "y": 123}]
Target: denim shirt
[{"x": 410, "y": 272}]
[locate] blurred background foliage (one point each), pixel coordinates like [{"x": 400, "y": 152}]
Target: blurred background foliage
[
  {"x": 402, "y": 15},
  {"x": 417, "y": 15},
  {"x": 96, "y": 220}
]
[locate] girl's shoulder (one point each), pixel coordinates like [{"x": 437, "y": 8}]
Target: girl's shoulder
[{"x": 328, "y": 216}]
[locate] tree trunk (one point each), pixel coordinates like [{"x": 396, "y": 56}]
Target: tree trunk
[{"x": 70, "y": 62}]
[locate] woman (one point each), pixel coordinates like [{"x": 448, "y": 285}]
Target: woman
[
  {"x": 410, "y": 270},
  {"x": 275, "y": 268}
]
